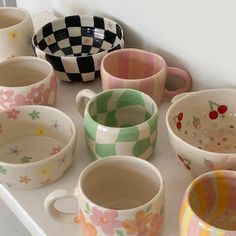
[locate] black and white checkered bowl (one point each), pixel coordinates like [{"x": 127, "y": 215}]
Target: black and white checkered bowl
[{"x": 75, "y": 45}]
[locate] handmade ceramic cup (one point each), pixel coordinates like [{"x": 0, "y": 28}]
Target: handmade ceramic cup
[
  {"x": 141, "y": 70},
  {"x": 116, "y": 196},
  {"x": 208, "y": 206},
  {"x": 202, "y": 129},
  {"x": 16, "y": 32},
  {"x": 26, "y": 81},
  {"x": 37, "y": 145},
  {"x": 119, "y": 122}
]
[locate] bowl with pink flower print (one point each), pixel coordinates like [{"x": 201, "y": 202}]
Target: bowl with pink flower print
[
  {"x": 202, "y": 130},
  {"x": 26, "y": 81},
  {"x": 37, "y": 144}
]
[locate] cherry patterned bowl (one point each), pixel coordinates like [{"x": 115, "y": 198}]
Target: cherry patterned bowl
[
  {"x": 202, "y": 129},
  {"x": 37, "y": 144}
]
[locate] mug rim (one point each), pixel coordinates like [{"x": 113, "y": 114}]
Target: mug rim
[
  {"x": 155, "y": 112},
  {"x": 36, "y": 60},
  {"x": 170, "y": 130},
  {"x": 19, "y": 9},
  {"x": 193, "y": 184},
  {"x": 51, "y": 157},
  {"x": 159, "y": 57},
  {"x": 125, "y": 158}
]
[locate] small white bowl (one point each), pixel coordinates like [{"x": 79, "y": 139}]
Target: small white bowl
[{"x": 37, "y": 145}]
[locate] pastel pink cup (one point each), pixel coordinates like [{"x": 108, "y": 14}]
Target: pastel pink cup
[{"x": 141, "y": 70}]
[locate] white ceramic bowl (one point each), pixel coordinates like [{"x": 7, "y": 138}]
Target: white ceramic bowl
[
  {"x": 37, "y": 145},
  {"x": 202, "y": 130}
]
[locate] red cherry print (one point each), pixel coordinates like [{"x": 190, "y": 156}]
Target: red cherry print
[
  {"x": 180, "y": 116},
  {"x": 213, "y": 115},
  {"x": 222, "y": 109},
  {"x": 178, "y": 125}
]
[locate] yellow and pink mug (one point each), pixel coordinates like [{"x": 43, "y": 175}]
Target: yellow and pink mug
[
  {"x": 141, "y": 70},
  {"x": 208, "y": 207}
]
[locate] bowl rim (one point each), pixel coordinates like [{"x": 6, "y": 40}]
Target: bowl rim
[
  {"x": 80, "y": 15},
  {"x": 51, "y": 157},
  {"x": 170, "y": 130}
]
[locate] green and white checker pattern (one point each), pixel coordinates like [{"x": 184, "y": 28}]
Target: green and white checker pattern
[{"x": 127, "y": 124}]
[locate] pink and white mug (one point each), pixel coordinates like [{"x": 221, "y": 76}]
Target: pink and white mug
[
  {"x": 141, "y": 70},
  {"x": 27, "y": 81}
]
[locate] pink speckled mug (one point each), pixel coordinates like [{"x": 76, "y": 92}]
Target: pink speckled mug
[
  {"x": 141, "y": 70},
  {"x": 27, "y": 81}
]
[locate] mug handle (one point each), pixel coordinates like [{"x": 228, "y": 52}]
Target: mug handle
[
  {"x": 49, "y": 206},
  {"x": 80, "y": 99},
  {"x": 184, "y": 75}
]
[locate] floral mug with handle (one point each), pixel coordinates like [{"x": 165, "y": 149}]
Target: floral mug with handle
[{"x": 117, "y": 196}]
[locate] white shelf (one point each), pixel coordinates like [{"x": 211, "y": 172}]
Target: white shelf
[{"x": 28, "y": 204}]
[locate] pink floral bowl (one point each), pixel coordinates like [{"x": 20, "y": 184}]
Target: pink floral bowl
[
  {"x": 37, "y": 145},
  {"x": 202, "y": 130},
  {"x": 26, "y": 81}
]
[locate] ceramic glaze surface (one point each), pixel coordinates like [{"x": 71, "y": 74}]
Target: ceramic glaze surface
[
  {"x": 75, "y": 45},
  {"x": 16, "y": 32},
  {"x": 208, "y": 128},
  {"x": 121, "y": 122},
  {"x": 202, "y": 130},
  {"x": 27, "y": 81},
  {"x": 208, "y": 207},
  {"x": 111, "y": 198},
  {"x": 141, "y": 70},
  {"x": 36, "y": 145}
]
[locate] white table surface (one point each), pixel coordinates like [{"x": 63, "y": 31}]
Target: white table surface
[{"x": 28, "y": 204}]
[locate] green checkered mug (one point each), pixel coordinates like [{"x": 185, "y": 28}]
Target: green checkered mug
[{"x": 118, "y": 122}]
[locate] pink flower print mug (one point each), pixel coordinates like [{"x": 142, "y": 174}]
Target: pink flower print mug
[
  {"x": 117, "y": 195},
  {"x": 141, "y": 70},
  {"x": 27, "y": 81},
  {"x": 16, "y": 32}
]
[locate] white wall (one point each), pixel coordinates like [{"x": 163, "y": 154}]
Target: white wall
[{"x": 197, "y": 35}]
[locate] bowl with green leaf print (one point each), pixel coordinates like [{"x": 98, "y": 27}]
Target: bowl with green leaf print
[
  {"x": 37, "y": 145},
  {"x": 119, "y": 122}
]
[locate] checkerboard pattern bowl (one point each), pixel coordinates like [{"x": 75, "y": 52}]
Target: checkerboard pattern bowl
[{"x": 75, "y": 45}]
